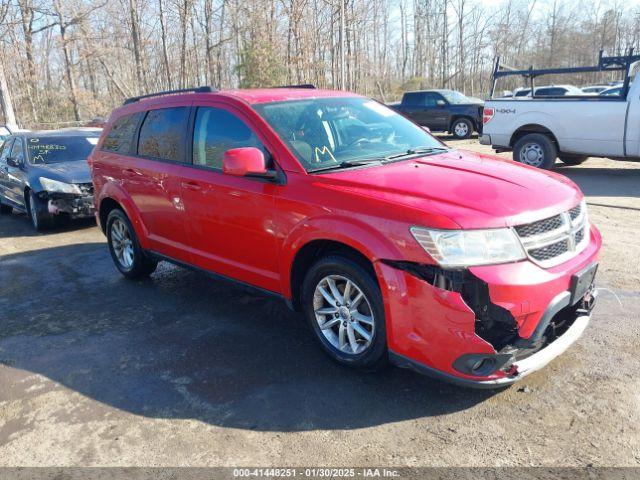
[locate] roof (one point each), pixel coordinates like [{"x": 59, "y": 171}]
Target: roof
[
  {"x": 435, "y": 90},
  {"x": 265, "y": 95},
  {"x": 63, "y": 132}
]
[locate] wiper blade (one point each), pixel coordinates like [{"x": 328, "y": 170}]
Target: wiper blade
[
  {"x": 347, "y": 164},
  {"x": 417, "y": 151}
]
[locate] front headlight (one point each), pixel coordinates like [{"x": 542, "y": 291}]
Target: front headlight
[
  {"x": 466, "y": 248},
  {"x": 60, "y": 187}
]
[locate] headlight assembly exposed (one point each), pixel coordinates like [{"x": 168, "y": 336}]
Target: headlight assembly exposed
[
  {"x": 466, "y": 248},
  {"x": 59, "y": 187}
]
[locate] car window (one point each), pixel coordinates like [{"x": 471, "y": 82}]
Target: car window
[
  {"x": 550, "y": 92},
  {"x": 162, "y": 133},
  {"x": 414, "y": 99},
  {"x": 456, "y": 98},
  {"x": 430, "y": 99},
  {"x": 324, "y": 132},
  {"x": 523, "y": 93},
  {"x": 17, "y": 152},
  {"x": 6, "y": 148},
  {"x": 216, "y": 131},
  {"x": 56, "y": 149},
  {"x": 120, "y": 136}
]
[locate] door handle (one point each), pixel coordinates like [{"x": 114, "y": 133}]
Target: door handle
[
  {"x": 191, "y": 186},
  {"x": 129, "y": 171}
]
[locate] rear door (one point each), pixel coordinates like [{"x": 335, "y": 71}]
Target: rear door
[
  {"x": 229, "y": 219},
  {"x": 414, "y": 107},
  {"x": 152, "y": 178}
]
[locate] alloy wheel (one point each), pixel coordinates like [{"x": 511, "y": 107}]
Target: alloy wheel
[
  {"x": 344, "y": 314},
  {"x": 122, "y": 243}
]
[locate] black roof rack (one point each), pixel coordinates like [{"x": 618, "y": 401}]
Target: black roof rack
[
  {"x": 301, "y": 85},
  {"x": 605, "y": 64},
  {"x": 205, "y": 89}
]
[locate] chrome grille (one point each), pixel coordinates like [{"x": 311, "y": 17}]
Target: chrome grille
[
  {"x": 553, "y": 240},
  {"x": 541, "y": 226}
]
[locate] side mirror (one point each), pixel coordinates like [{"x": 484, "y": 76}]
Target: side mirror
[
  {"x": 12, "y": 162},
  {"x": 440, "y": 103},
  {"x": 246, "y": 161}
]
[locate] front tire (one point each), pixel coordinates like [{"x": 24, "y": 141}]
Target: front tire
[
  {"x": 536, "y": 150},
  {"x": 343, "y": 306},
  {"x": 573, "y": 159},
  {"x": 39, "y": 215},
  {"x": 125, "y": 249},
  {"x": 462, "y": 128}
]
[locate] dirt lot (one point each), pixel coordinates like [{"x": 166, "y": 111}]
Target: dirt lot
[{"x": 182, "y": 370}]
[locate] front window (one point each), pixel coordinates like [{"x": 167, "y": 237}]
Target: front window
[
  {"x": 59, "y": 149},
  {"x": 455, "y": 98},
  {"x": 328, "y": 132}
]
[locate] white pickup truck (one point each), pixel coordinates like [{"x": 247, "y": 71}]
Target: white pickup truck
[{"x": 571, "y": 128}]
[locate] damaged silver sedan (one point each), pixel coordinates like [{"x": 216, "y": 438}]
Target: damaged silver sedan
[{"x": 46, "y": 175}]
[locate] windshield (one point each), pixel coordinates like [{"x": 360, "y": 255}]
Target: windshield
[
  {"x": 59, "y": 149},
  {"x": 331, "y": 131},
  {"x": 455, "y": 97}
]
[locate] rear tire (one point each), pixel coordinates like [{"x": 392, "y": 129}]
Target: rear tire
[
  {"x": 536, "y": 150},
  {"x": 5, "y": 209},
  {"x": 462, "y": 128},
  {"x": 38, "y": 212},
  {"x": 573, "y": 159},
  {"x": 350, "y": 328},
  {"x": 126, "y": 253}
]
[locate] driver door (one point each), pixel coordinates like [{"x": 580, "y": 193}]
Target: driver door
[
  {"x": 436, "y": 112},
  {"x": 229, "y": 219}
]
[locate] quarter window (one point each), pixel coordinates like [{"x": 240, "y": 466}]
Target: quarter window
[
  {"x": 120, "y": 137},
  {"x": 217, "y": 131},
  {"x": 162, "y": 133}
]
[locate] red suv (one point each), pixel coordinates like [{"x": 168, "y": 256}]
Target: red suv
[{"x": 395, "y": 247}]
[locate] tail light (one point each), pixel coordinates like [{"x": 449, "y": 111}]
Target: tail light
[{"x": 487, "y": 115}]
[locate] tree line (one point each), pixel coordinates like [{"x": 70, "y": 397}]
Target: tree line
[{"x": 63, "y": 62}]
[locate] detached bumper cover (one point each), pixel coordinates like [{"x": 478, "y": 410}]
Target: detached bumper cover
[{"x": 519, "y": 369}]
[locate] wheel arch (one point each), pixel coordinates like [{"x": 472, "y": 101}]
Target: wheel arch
[
  {"x": 112, "y": 196},
  {"x": 319, "y": 236},
  {"x": 311, "y": 252},
  {"x": 458, "y": 116},
  {"x": 532, "y": 128}
]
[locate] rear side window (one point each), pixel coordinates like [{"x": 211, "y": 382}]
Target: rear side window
[
  {"x": 217, "y": 131},
  {"x": 120, "y": 137},
  {"x": 162, "y": 134}
]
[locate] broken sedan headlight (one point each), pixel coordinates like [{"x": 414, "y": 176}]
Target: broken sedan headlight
[{"x": 59, "y": 187}]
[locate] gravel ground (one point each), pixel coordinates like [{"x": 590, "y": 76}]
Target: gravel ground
[{"x": 181, "y": 370}]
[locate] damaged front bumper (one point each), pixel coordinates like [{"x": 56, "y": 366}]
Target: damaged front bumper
[
  {"x": 74, "y": 205},
  {"x": 489, "y": 326}
]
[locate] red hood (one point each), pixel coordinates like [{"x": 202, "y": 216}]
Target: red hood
[{"x": 471, "y": 189}]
